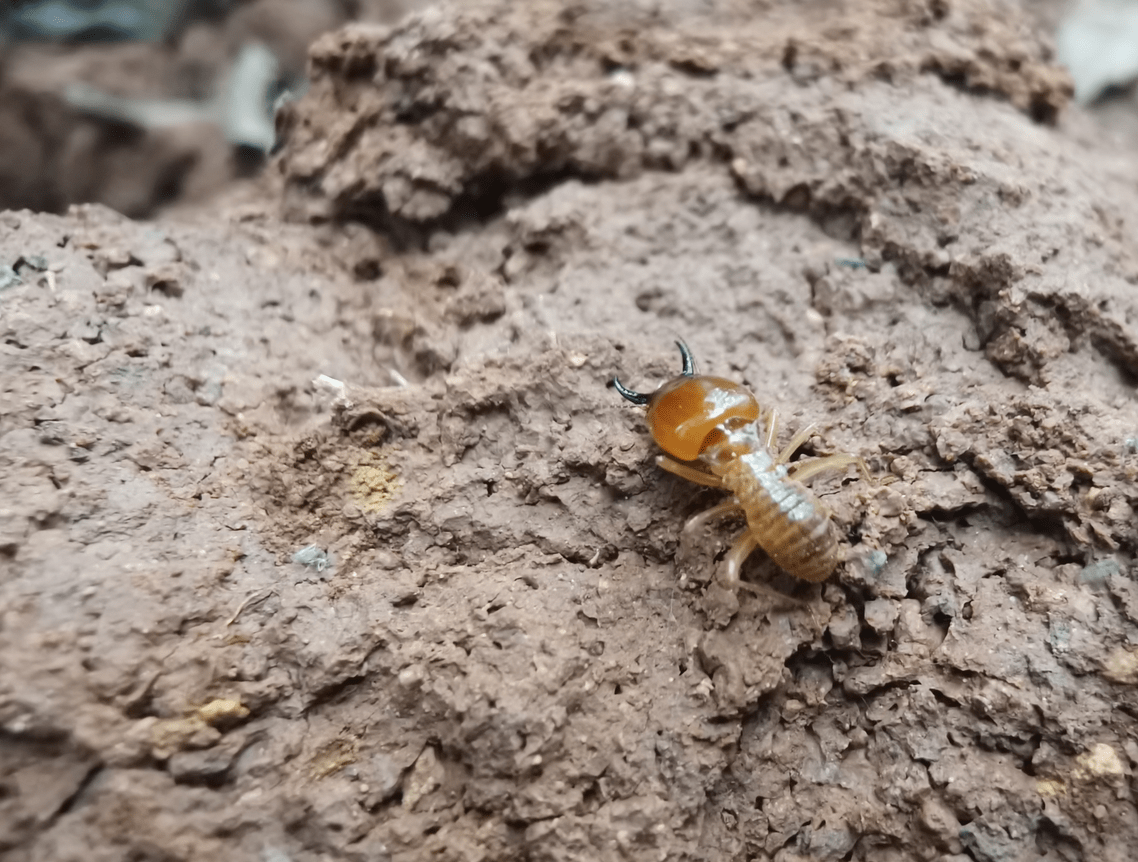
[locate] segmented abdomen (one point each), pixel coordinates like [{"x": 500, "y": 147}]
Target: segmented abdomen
[{"x": 783, "y": 517}]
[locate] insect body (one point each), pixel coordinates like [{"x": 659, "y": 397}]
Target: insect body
[{"x": 719, "y": 428}]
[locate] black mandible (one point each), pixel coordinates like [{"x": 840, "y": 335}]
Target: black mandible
[{"x": 641, "y": 399}]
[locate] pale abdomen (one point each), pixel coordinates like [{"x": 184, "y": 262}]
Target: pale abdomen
[{"x": 785, "y": 519}]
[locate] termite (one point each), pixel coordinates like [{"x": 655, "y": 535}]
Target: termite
[{"x": 713, "y": 432}]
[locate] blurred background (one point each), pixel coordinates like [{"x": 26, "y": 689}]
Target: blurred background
[
  {"x": 141, "y": 104},
  {"x": 149, "y": 104}
]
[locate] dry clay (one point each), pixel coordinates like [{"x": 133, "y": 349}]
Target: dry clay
[{"x": 499, "y": 647}]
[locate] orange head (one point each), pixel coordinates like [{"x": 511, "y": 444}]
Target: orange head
[{"x": 686, "y": 410}]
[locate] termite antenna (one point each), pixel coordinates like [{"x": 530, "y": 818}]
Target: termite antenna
[
  {"x": 689, "y": 362},
  {"x": 628, "y": 394}
]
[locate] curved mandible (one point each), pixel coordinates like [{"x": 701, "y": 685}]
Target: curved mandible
[
  {"x": 689, "y": 362},
  {"x": 628, "y": 394},
  {"x": 641, "y": 399}
]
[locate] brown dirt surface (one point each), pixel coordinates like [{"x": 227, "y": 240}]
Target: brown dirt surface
[{"x": 879, "y": 216}]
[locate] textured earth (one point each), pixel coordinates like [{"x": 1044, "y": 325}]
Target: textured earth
[{"x": 323, "y": 534}]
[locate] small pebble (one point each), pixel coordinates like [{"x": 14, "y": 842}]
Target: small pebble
[{"x": 880, "y": 614}]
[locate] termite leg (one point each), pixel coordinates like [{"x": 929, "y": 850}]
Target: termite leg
[
  {"x": 795, "y": 442},
  {"x": 803, "y": 470},
  {"x": 698, "y": 522},
  {"x": 763, "y": 590},
  {"x": 731, "y": 574},
  {"x": 689, "y": 473},
  {"x": 733, "y": 562},
  {"x": 772, "y": 428}
]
